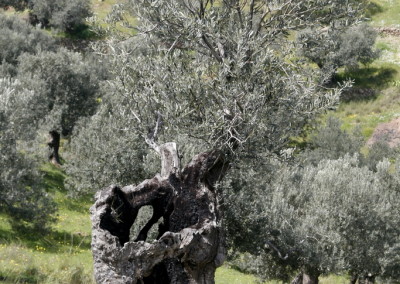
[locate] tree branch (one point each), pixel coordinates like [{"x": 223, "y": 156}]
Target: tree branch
[
  {"x": 152, "y": 137},
  {"x": 211, "y": 48},
  {"x": 277, "y": 250}
]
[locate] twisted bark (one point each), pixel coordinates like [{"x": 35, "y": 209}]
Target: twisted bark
[
  {"x": 54, "y": 147},
  {"x": 190, "y": 243}
]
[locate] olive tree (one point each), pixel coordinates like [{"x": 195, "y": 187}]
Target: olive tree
[
  {"x": 65, "y": 87},
  {"x": 334, "y": 217},
  {"x": 22, "y": 195},
  {"x": 332, "y": 47},
  {"x": 63, "y": 15},
  {"x": 225, "y": 79},
  {"x": 330, "y": 142},
  {"x": 18, "y": 5},
  {"x": 18, "y": 37}
]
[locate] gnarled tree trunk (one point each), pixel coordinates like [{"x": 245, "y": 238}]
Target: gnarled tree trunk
[
  {"x": 54, "y": 147},
  {"x": 306, "y": 278},
  {"x": 367, "y": 279},
  {"x": 309, "y": 278},
  {"x": 190, "y": 243}
]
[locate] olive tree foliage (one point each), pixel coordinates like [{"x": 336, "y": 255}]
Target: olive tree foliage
[
  {"x": 18, "y": 37},
  {"x": 281, "y": 210},
  {"x": 102, "y": 153},
  {"x": 22, "y": 195},
  {"x": 330, "y": 142},
  {"x": 65, "y": 15},
  {"x": 18, "y": 5},
  {"x": 332, "y": 47},
  {"x": 61, "y": 14},
  {"x": 222, "y": 73},
  {"x": 65, "y": 84},
  {"x": 216, "y": 75},
  {"x": 63, "y": 87},
  {"x": 329, "y": 218}
]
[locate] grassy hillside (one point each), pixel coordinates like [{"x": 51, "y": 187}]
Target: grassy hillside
[
  {"x": 62, "y": 256},
  {"x": 378, "y": 84}
]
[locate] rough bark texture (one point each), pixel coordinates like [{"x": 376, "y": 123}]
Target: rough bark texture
[
  {"x": 368, "y": 279},
  {"x": 305, "y": 278},
  {"x": 353, "y": 279},
  {"x": 298, "y": 279},
  {"x": 190, "y": 243},
  {"x": 310, "y": 278},
  {"x": 54, "y": 146}
]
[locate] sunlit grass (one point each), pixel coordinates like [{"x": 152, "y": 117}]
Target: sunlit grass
[
  {"x": 385, "y": 13},
  {"x": 225, "y": 275},
  {"x": 382, "y": 76},
  {"x": 101, "y": 10},
  {"x": 20, "y": 264}
]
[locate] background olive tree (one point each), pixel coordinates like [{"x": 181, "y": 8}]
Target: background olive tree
[
  {"x": 344, "y": 44},
  {"x": 330, "y": 209},
  {"x": 22, "y": 193},
  {"x": 67, "y": 16},
  {"x": 65, "y": 86},
  {"x": 18, "y": 37},
  {"x": 221, "y": 76},
  {"x": 62, "y": 14}
]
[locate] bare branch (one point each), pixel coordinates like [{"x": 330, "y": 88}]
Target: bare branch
[
  {"x": 211, "y": 48},
  {"x": 152, "y": 137},
  {"x": 277, "y": 250}
]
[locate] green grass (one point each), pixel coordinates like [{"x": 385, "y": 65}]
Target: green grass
[
  {"x": 225, "y": 274},
  {"x": 385, "y": 13},
  {"x": 63, "y": 255},
  {"x": 102, "y": 8},
  {"x": 382, "y": 76}
]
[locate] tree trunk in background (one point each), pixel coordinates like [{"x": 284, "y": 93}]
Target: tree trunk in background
[
  {"x": 353, "y": 279},
  {"x": 309, "y": 278},
  {"x": 369, "y": 279},
  {"x": 54, "y": 145},
  {"x": 190, "y": 243},
  {"x": 306, "y": 277},
  {"x": 298, "y": 279}
]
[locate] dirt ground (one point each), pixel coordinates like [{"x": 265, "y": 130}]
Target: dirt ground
[{"x": 388, "y": 132}]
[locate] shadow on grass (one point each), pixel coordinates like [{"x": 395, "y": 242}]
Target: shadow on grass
[
  {"x": 29, "y": 275},
  {"x": 53, "y": 242},
  {"x": 54, "y": 182},
  {"x": 367, "y": 82},
  {"x": 83, "y": 31},
  {"x": 375, "y": 78},
  {"x": 356, "y": 94},
  {"x": 53, "y": 177},
  {"x": 81, "y": 204}
]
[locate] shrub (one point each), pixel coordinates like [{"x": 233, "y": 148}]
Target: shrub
[
  {"x": 65, "y": 15},
  {"x": 331, "y": 48},
  {"x": 65, "y": 87},
  {"x": 22, "y": 195},
  {"x": 18, "y": 37},
  {"x": 331, "y": 142}
]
